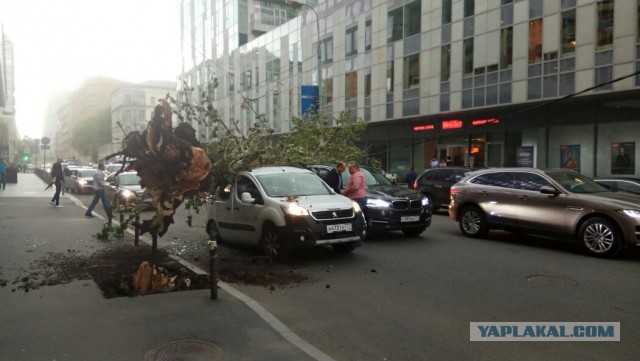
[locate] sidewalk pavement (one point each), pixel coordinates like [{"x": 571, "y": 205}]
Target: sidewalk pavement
[{"x": 74, "y": 322}]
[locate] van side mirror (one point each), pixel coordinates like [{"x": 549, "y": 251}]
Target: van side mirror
[{"x": 247, "y": 198}]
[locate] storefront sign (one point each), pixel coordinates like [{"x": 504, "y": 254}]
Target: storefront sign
[
  {"x": 420, "y": 128},
  {"x": 524, "y": 156},
  {"x": 451, "y": 124},
  {"x": 484, "y": 121},
  {"x": 623, "y": 157}
]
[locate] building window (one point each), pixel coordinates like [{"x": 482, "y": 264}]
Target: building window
[
  {"x": 153, "y": 100},
  {"x": 273, "y": 70},
  {"x": 351, "y": 46},
  {"x": 412, "y": 18},
  {"x": 568, "y": 41},
  {"x": 394, "y": 25},
  {"x": 411, "y": 71},
  {"x": 367, "y": 83},
  {"x": 604, "y": 70},
  {"x": 535, "y": 41},
  {"x": 506, "y": 47},
  {"x": 245, "y": 81},
  {"x": 469, "y": 8},
  {"x": 351, "y": 85},
  {"x": 535, "y": 9},
  {"x": 445, "y": 62},
  {"x": 327, "y": 50},
  {"x": 605, "y": 24},
  {"x": 390, "y": 77},
  {"x": 367, "y": 35},
  {"x": 404, "y": 21},
  {"x": 327, "y": 87},
  {"x": 141, "y": 115},
  {"x": 468, "y": 56},
  {"x": 446, "y": 11}
]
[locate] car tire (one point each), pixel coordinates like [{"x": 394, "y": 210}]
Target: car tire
[
  {"x": 473, "y": 222},
  {"x": 413, "y": 232},
  {"x": 272, "y": 244},
  {"x": 600, "y": 237},
  {"x": 213, "y": 232},
  {"x": 344, "y": 247}
]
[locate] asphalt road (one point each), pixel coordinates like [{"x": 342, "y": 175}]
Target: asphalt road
[{"x": 400, "y": 298}]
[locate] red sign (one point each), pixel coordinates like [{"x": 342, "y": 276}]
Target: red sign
[
  {"x": 484, "y": 121},
  {"x": 419, "y": 128},
  {"x": 451, "y": 124}
]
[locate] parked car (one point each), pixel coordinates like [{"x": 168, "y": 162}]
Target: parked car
[
  {"x": 389, "y": 207},
  {"x": 620, "y": 184},
  {"x": 79, "y": 180},
  {"x": 124, "y": 189},
  {"x": 556, "y": 202},
  {"x": 283, "y": 208},
  {"x": 435, "y": 184}
]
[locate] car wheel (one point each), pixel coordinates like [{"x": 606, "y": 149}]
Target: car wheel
[
  {"x": 473, "y": 223},
  {"x": 212, "y": 231},
  {"x": 601, "y": 237},
  {"x": 413, "y": 232},
  {"x": 344, "y": 247},
  {"x": 271, "y": 243}
]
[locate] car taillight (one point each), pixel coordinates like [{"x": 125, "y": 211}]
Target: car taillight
[
  {"x": 453, "y": 191},
  {"x": 415, "y": 185}
]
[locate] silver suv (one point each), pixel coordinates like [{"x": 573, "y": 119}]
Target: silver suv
[{"x": 282, "y": 208}]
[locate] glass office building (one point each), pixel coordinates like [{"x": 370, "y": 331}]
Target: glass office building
[{"x": 486, "y": 83}]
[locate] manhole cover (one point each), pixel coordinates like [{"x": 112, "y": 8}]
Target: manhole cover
[
  {"x": 552, "y": 281},
  {"x": 185, "y": 350}
]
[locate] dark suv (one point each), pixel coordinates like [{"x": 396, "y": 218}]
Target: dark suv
[
  {"x": 389, "y": 207},
  {"x": 435, "y": 184}
]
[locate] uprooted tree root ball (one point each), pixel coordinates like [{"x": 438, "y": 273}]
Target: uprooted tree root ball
[{"x": 114, "y": 271}]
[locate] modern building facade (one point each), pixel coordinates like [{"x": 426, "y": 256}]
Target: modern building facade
[
  {"x": 92, "y": 97},
  {"x": 8, "y": 131},
  {"x": 132, "y": 107},
  {"x": 484, "y": 83}
]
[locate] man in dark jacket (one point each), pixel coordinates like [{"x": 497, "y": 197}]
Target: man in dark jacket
[
  {"x": 57, "y": 177},
  {"x": 334, "y": 178}
]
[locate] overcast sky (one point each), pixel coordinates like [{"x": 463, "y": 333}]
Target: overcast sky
[{"x": 60, "y": 43}]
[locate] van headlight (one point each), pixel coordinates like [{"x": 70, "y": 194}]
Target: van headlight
[
  {"x": 356, "y": 207},
  {"x": 295, "y": 209},
  {"x": 82, "y": 182},
  {"x": 127, "y": 194},
  {"x": 378, "y": 203}
]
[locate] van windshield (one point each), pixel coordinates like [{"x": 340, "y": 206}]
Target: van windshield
[{"x": 293, "y": 184}]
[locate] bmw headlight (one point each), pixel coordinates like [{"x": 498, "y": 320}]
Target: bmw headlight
[
  {"x": 631, "y": 213},
  {"x": 295, "y": 209},
  {"x": 356, "y": 207},
  {"x": 425, "y": 201},
  {"x": 378, "y": 203},
  {"x": 82, "y": 182},
  {"x": 127, "y": 194}
]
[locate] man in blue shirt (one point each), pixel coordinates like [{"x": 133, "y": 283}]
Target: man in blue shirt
[
  {"x": 3, "y": 174},
  {"x": 410, "y": 177}
]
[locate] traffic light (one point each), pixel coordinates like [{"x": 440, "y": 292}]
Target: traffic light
[{"x": 26, "y": 157}]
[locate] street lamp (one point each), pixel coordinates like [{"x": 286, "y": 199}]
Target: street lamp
[{"x": 319, "y": 62}]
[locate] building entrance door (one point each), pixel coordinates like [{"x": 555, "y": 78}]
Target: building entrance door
[
  {"x": 455, "y": 154},
  {"x": 494, "y": 155}
]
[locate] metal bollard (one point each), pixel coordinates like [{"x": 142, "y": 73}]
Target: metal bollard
[
  {"x": 213, "y": 268},
  {"x": 136, "y": 238}
]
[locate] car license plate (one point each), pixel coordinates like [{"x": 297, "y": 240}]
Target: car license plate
[
  {"x": 345, "y": 227},
  {"x": 409, "y": 219}
]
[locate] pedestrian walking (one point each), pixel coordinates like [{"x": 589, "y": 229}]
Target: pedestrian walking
[
  {"x": 3, "y": 174},
  {"x": 57, "y": 178},
  {"x": 334, "y": 178},
  {"x": 99, "y": 195},
  {"x": 356, "y": 188},
  {"x": 410, "y": 177}
]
